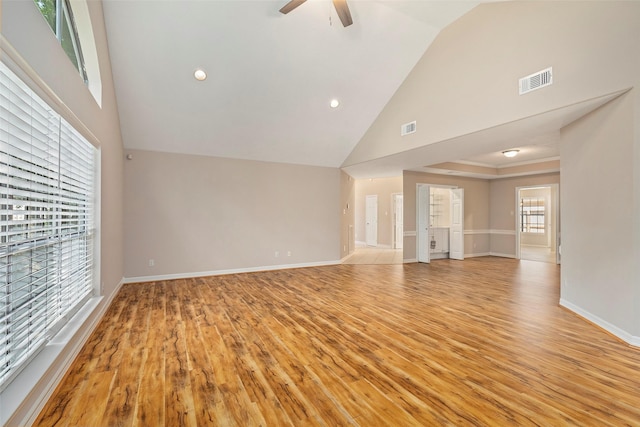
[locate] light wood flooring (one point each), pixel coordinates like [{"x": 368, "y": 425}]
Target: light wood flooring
[
  {"x": 463, "y": 343},
  {"x": 370, "y": 255},
  {"x": 537, "y": 253}
]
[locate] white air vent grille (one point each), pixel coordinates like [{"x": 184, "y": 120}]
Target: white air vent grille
[
  {"x": 536, "y": 81},
  {"x": 407, "y": 128}
]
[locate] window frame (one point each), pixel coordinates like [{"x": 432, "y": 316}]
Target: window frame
[
  {"x": 64, "y": 13},
  {"x": 65, "y": 218},
  {"x": 533, "y": 207}
]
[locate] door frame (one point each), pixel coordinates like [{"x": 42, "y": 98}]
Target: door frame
[
  {"x": 422, "y": 222},
  {"x": 555, "y": 196},
  {"x": 397, "y": 237}
]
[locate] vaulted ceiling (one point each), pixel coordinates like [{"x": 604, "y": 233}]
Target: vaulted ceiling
[{"x": 271, "y": 76}]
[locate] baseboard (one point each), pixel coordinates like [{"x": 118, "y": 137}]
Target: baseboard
[
  {"x": 592, "y": 318},
  {"x": 176, "y": 276},
  {"x": 62, "y": 351},
  {"x": 479, "y": 254},
  {"x": 502, "y": 255},
  {"x": 409, "y": 261}
]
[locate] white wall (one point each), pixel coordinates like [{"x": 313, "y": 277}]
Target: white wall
[{"x": 196, "y": 215}]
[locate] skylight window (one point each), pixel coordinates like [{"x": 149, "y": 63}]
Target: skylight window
[{"x": 59, "y": 16}]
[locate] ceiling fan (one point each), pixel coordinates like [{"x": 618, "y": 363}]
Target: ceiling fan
[{"x": 341, "y": 8}]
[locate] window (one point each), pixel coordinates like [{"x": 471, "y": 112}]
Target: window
[
  {"x": 47, "y": 229},
  {"x": 532, "y": 215},
  {"x": 59, "y": 16}
]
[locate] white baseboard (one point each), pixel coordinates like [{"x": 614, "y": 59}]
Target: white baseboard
[
  {"x": 478, "y": 254},
  {"x": 502, "y": 255},
  {"x": 612, "y": 329},
  {"x": 409, "y": 261},
  {"x": 140, "y": 279},
  {"x": 26, "y": 398}
]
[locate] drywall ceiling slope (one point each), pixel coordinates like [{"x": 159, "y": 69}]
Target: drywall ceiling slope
[
  {"x": 270, "y": 76},
  {"x": 467, "y": 81},
  {"x": 524, "y": 132}
]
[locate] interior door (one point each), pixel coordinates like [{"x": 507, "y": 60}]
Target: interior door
[
  {"x": 371, "y": 214},
  {"x": 398, "y": 212},
  {"x": 456, "y": 232},
  {"x": 422, "y": 232}
]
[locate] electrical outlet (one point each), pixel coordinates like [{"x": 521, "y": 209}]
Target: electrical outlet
[
  {"x": 288, "y": 253},
  {"x": 152, "y": 262},
  {"x": 277, "y": 254}
]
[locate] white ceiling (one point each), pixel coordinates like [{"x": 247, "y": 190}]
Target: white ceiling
[{"x": 270, "y": 76}]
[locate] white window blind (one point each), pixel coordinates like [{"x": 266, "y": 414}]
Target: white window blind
[{"x": 47, "y": 187}]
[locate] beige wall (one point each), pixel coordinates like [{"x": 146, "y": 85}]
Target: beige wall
[
  {"x": 476, "y": 210},
  {"x": 195, "y": 215},
  {"x": 601, "y": 217},
  {"x": 384, "y": 188},
  {"x": 24, "y": 30},
  {"x": 503, "y": 209},
  {"x": 347, "y": 214}
]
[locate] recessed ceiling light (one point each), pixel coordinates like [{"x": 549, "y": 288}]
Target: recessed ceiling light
[
  {"x": 510, "y": 153},
  {"x": 334, "y": 103},
  {"x": 199, "y": 74}
]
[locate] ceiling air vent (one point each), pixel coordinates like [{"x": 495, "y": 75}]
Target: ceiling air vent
[
  {"x": 536, "y": 81},
  {"x": 408, "y": 128}
]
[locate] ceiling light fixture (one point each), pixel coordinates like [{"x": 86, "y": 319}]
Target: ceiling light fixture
[
  {"x": 334, "y": 103},
  {"x": 510, "y": 153},
  {"x": 199, "y": 74}
]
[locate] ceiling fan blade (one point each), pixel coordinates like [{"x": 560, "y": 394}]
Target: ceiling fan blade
[
  {"x": 291, "y": 5},
  {"x": 343, "y": 12}
]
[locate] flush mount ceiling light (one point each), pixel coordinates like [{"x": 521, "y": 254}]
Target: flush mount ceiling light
[
  {"x": 334, "y": 103},
  {"x": 510, "y": 153},
  {"x": 199, "y": 74}
]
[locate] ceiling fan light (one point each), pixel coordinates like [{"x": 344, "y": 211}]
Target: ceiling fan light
[
  {"x": 510, "y": 153},
  {"x": 199, "y": 74},
  {"x": 334, "y": 103}
]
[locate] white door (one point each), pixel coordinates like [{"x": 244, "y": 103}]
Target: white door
[
  {"x": 422, "y": 232},
  {"x": 398, "y": 220},
  {"x": 371, "y": 214},
  {"x": 456, "y": 232}
]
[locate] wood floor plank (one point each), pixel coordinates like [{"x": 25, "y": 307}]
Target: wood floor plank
[{"x": 478, "y": 342}]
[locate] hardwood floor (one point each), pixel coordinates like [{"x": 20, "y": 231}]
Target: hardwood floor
[{"x": 478, "y": 342}]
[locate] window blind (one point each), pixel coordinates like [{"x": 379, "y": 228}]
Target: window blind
[{"x": 47, "y": 227}]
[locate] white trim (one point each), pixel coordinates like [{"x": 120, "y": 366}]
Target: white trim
[
  {"x": 191, "y": 275},
  {"x": 508, "y": 165},
  {"x": 623, "y": 335},
  {"x": 467, "y": 232},
  {"x": 474, "y": 255},
  {"x": 409, "y": 260},
  {"x": 24, "y": 399},
  {"x": 361, "y": 244},
  {"x": 502, "y": 255},
  {"x": 504, "y": 232}
]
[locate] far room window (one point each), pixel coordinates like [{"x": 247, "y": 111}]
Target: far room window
[
  {"x": 532, "y": 215},
  {"x": 59, "y": 16}
]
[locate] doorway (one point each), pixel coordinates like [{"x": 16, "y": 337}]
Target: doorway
[
  {"x": 537, "y": 223},
  {"x": 371, "y": 220},
  {"x": 440, "y": 222}
]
